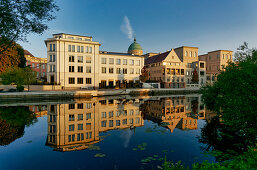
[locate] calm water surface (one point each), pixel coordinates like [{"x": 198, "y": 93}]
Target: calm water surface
[{"x": 102, "y": 133}]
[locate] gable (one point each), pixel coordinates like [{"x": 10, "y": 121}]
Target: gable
[{"x": 172, "y": 57}]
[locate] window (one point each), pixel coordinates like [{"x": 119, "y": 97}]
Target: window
[
  {"x": 71, "y": 127},
  {"x": 124, "y": 61},
  {"x": 88, "y": 59},
  {"x": 88, "y": 105},
  {"x": 209, "y": 57},
  {"x": 71, "y": 138},
  {"x": 131, "y": 112},
  {"x": 88, "y": 80},
  {"x": 80, "y": 105},
  {"x": 71, "y": 106},
  {"x": 201, "y": 65},
  {"x": 80, "y": 59},
  {"x": 117, "y": 122},
  {"x": 110, "y": 123},
  {"x": 188, "y": 73},
  {"x": 86, "y": 49},
  {"x": 53, "y": 47},
  {"x": 88, "y": 69},
  {"x": 78, "y": 49},
  {"x": 88, "y": 116},
  {"x": 195, "y": 54},
  {"x": 103, "y": 60},
  {"x": 90, "y": 50},
  {"x": 124, "y": 121},
  {"x": 80, "y": 69},
  {"x": 131, "y": 71},
  {"x": 103, "y": 69},
  {"x": 80, "y": 117},
  {"x": 80, "y": 126},
  {"x": 69, "y": 48},
  {"x": 186, "y": 53},
  {"x": 73, "y": 48},
  {"x": 103, "y": 114},
  {"x": 71, "y": 58},
  {"x": 33, "y": 65},
  {"x": 138, "y": 63},
  {"x": 131, "y": 62},
  {"x": 51, "y": 58},
  {"x": 111, "y": 61},
  {"x": 44, "y": 66},
  {"x": 137, "y": 120},
  {"x": 71, "y": 69},
  {"x": 80, "y": 80},
  {"x": 103, "y": 123},
  {"x": 118, "y": 61},
  {"x": 82, "y": 49},
  {"x": 118, "y": 71},
  {"x": 110, "y": 70},
  {"x": 125, "y": 71},
  {"x": 88, "y": 126},
  {"x": 71, "y": 80},
  {"x": 53, "y": 68},
  {"x": 202, "y": 73},
  {"x": 190, "y": 53},
  {"x": 111, "y": 114},
  {"x": 138, "y": 71}
]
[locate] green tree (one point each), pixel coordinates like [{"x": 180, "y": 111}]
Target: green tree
[
  {"x": 19, "y": 18},
  {"x": 234, "y": 96},
  {"x": 19, "y": 76}
]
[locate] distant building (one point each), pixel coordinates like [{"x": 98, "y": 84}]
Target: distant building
[
  {"x": 75, "y": 61},
  {"x": 37, "y": 64},
  {"x": 215, "y": 61},
  {"x": 175, "y": 68}
]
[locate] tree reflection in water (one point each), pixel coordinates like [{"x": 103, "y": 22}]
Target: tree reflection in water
[
  {"x": 221, "y": 140},
  {"x": 13, "y": 121}
]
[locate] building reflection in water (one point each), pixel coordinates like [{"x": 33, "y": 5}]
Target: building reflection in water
[
  {"x": 77, "y": 125},
  {"x": 175, "y": 112}
]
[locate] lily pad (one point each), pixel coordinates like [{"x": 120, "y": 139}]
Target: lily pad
[
  {"x": 94, "y": 148},
  {"x": 99, "y": 155}
]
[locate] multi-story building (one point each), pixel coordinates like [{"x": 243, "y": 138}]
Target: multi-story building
[
  {"x": 176, "y": 68},
  {"x": 37, "y": 64},
  {"x": 76, "y": 126},
  {"x": 75, "y": 61},
  {"x": 215, "y": 61}
]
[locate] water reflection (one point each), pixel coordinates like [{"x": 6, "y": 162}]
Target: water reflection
[
  {"x": 77, "y": 125},
  {"x": 175, "y": 112}
]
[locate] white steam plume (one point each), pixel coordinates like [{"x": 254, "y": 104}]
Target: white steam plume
[{"x": 126, "y": 28}]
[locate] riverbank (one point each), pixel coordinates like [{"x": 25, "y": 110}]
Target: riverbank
[{"x": 90, "y": 93}]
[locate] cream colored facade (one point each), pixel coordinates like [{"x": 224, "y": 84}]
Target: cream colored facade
[
  {"x": 175, "y": 68},
  {"x": 76, "y": 126},
  {"x": 215, "y": 61},
  {"x": 75, "y": 61}
]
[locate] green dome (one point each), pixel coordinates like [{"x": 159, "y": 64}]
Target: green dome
[{"x": 134, "y": 46}]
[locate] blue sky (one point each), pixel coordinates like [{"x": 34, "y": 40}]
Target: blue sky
[{"x": 159, "y": 25}]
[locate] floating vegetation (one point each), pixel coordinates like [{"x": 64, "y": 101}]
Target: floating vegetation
[
  {"x": 99, "y": 155},
  {"x": 165, "y": 151},
  {"x": 148, "y": 130},
  {"x": 30, "y": 141},
  {"x": 104, "y": 136},
  {"x": 140, "y": 147},
  {"x": 156, "y": 156},
  {"x": 160, "y": 159},
  {"x": 94, "y": 148}
]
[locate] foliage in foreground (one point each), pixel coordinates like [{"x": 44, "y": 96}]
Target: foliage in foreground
[
  {"x": 234, "y": 96},
  {"x": 248, "y": 160}
]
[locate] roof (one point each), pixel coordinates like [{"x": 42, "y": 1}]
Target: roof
[
  {"x": 73, "y": 35},
  {"x": 26, "y": 52},
  {"x": 117, "y": 53},
  {"x": 157, "y": 58},
  {"x": 219, "y": 50},
  {"x": 186, "y": 47},
  {"x": 134, "y": 46}
]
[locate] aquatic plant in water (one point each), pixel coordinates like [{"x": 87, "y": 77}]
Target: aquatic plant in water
[{"x": 99, "y": 155}]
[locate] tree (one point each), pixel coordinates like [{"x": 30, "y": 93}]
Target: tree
[
  {"x": 195, "y": 78},
  {"x": 19, "y": 76},
  {"x": 234, "y": 96},
  {"x": 244, "y": 53},
  {"x": 144, "y": 75},
  {"x": 19, "y": 18},
  {"x": 12, "y": 57}
]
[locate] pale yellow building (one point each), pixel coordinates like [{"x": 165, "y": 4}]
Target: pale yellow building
[
  {"x": 75, "y": 61},
  {"x": 76, "y": 126},
  {"x": 215, "y": 61},
  {"x": 174, "y": 68}
]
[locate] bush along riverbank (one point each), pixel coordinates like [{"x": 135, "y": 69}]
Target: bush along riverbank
[{"x": 247, "y": 160}]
